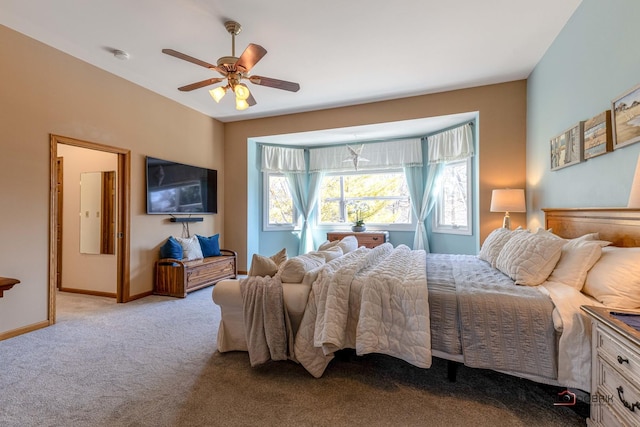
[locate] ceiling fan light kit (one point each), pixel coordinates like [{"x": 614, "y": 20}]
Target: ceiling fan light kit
[{"x": 234, "y": 70}]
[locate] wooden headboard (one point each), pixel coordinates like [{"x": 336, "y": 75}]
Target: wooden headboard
[{"x": 621, "y": 226}]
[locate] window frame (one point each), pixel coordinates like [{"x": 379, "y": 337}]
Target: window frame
[
  {"x": 436, "y": 227},
  {"x": 266, "y": 226},
  {"x": 341, "y": 226}
]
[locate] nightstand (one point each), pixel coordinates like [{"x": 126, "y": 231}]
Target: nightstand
[
  {"x": 615, "y": 370},
  {"x": 369, "y": 239}
]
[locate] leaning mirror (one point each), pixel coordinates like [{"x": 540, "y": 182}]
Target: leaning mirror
[{"x": 97, "y": 212}]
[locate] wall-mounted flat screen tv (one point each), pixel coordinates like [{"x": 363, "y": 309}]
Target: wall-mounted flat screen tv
[{"x": 176, "y": 188}]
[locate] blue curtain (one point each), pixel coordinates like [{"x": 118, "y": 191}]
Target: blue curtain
[
  {"x": 423, "y": 199},
  {"x": 304, "y": 192}
]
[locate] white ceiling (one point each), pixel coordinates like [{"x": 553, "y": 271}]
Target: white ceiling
[{"x": 340, "y": 52}]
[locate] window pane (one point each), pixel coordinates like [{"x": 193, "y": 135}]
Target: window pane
[
  {"x": 377, "y": 198},
  {"x": 453, "y": 203},
  {"x": 280, "y": 201}
]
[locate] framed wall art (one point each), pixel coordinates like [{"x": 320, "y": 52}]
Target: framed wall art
[
  {"x": 626, "y": 118},
  {"x": 566, "y": 148},
  {"x": 597, "y": 135}
]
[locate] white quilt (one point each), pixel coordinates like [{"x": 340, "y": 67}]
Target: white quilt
[{"x": 373, "y": 300}]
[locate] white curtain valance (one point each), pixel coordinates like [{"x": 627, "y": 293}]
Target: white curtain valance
[
  {"x": 282, "y": 159},
  {"x": 450, "y": 145},
  {"x": 379, "y": 155}
]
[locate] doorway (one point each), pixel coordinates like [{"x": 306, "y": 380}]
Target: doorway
[{"x": 121, "y": 244}]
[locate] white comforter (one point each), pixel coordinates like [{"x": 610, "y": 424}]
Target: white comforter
[{"x": 373, "y": 300}]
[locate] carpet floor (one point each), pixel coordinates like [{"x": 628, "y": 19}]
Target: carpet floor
[{"x": 153, "y": 362}]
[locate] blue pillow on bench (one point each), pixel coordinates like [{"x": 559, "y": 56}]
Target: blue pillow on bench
[
  {"x": 210, "y": 245},
  {"x": 171, "y": 249}
]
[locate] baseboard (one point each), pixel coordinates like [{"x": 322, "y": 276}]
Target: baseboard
[
  {"x": 89, "y": 292},
  {"x": 23, "y": 330},
  {"x": 138, "y": 296}
]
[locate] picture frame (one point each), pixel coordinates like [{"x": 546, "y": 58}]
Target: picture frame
[
  {"x": 597, "y": 137},
  {"x": 566, "y": 149},
  {"x": 625, "y": 120}
]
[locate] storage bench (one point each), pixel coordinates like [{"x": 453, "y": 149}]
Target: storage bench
[{"x": 174, "y": 277}]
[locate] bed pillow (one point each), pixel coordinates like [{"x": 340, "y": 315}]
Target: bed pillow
[
  {"x": 493, "y": 244},
  {"x": 328, "y": 245},
  {"x": 294, "y": 269},
  {"x": 210, "y": 245},
  {"x": 171, "y": 249},
  {"x": 190, "y": 248},
  {"x": 329, "y": 254},
  {"x": 576, "y": 259},
  {"x": 528, "y": 259},
  {"x": 615, "y": 279},
  {"x": 348, "y": 244},
  {"x": 267, "y": 265}
]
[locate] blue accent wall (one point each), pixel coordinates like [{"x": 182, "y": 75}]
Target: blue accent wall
[{"x": 594, "y": 59}]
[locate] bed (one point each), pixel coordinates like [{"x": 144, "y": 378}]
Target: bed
[
  {"x": 469, "y": 312},
  {"x": 476, "y": 314}
]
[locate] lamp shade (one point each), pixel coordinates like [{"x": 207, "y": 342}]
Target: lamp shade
[
  {"x": 218, "y": 93},
  {"x": 634, "y": 196},
  {"x": 508, "y": 200}
]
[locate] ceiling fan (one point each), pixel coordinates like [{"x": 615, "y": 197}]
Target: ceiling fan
[{"x": 234, "y": 70}]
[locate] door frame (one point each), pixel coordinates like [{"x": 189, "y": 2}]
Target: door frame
[{"x": 123, "y": 215}]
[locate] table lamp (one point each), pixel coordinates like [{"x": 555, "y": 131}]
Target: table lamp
[{"x": 508, "y": 200}]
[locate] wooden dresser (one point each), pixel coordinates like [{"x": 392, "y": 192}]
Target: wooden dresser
[
  {"x": 369, "y": 239},
  {"x": 615, "y": 370}
]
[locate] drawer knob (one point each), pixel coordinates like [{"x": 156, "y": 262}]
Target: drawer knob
[
  {"x": 630, "y": 406},
  {"x": 622, "y": 360},
  {"x": 375, "y": 238}
]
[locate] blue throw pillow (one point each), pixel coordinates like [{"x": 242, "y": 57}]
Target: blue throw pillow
[
  {"x": 210, "y": 245},
  {"x": 171, "y": 249}
]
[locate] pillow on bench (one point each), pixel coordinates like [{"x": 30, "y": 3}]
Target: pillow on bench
[
  {"x": 210, "y": 245},
  {"x": 171, "y": 249}
]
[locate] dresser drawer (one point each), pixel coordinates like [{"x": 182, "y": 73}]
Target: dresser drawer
[
  {"x": 618, "y": 354},
  {"x": 619, "y": 395},
  {"x": 368, "y": 239}
]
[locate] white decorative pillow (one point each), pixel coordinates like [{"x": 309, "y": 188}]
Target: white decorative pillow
[
  {"x": 493, "y": 244},
  {"x": 267, "y": 266},
  {"x": 615, "y": 279},
  {"x": 576, "y": 259},
  {"x": 529, "y": 258},
  {"x": 328, "y": 245},
  {"x": 329, "y": 254},
  {"x": 190, "y": 247},
  {"x": 348, "y": 244},
  {"x": 294, "y": 269}
]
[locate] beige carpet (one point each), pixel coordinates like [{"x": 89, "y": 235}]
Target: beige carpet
[{"x": 153, "y": 362}]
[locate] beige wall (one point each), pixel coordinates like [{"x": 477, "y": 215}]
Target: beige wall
[
  {"x": 45, "y": 91},
  {"x": 501, "y": 126}
]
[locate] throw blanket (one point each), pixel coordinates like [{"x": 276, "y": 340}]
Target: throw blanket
[
  {"x": 574, "y": 352},
  {"x": 504, "y": 327},
  {"x": 373, "y": 300},
  {"x": 267, "y": 325}
]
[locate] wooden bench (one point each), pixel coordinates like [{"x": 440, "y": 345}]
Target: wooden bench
[{"x": 176, "y": 278}]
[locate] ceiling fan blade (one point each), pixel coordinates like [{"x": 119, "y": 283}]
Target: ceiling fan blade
[
  {"x": 188, "y": 58},
  {"x": 198, "y": 85},
  {"x": 251, "y": 100},
  {"x": 250, "y": 57},
  {"x": 275, "y": 83}
]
